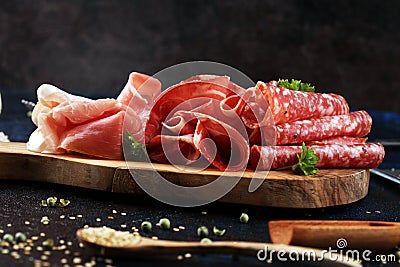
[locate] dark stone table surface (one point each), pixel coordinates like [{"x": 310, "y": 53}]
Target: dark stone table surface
[{"x": 20, "y": 210}]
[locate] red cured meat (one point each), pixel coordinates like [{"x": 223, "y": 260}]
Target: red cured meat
[
  {"x": 290, "y": 105},
  {"x": 355, "y": 124},
  {"x": 187, "y": 96},
  {"x": 338, "y": 140},
  {"x": 363, "y": 156},
  {"x": 178, "y": 150},
  {"x": 221, "y": 144}
]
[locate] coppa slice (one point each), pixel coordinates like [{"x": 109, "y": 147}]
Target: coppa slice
[
  {"x": 178, "y": 150},
  {"x": 187, "y": 96},
  {"x": 354, "y": 124},
  {"x": 290, "y": 105},
  {"x": 363, "y": 156}
]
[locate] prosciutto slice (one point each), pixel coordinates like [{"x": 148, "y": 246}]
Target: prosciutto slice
[
  {"x": 70, "y": 123},
  {"x": 363, "y": 156}
]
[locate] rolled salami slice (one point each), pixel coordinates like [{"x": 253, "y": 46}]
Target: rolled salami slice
[
  {"x": 290, "y": 105},
  {"x": 338, "y": 140},
  {"x": 357, "y": 156},
  {"x": 354, "y": 124}
]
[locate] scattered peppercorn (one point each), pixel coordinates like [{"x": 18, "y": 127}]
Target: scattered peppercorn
[
  {"x": 202, "y": 231},
  {"x": 218, "y": 232},
  {"x": 49, "y": 243},
  {"x": 165, "y": 223},
  {"x": 146, "y": 226},
  {"x": 244, "y": 218},
  {"x": 20, "y": 237},
  {"x": 51, "y": 201},
  {"x": 8, "y": 238},
  {"x": 205, "y": 240}
]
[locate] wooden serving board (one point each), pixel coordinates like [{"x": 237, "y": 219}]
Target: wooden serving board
[{"x": 278, "y": 189}]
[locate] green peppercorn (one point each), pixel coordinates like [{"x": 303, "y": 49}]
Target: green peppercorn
[
  {"x": 146, "y": 226},
  {"x": 20, "y": 237},
  {"x": 64, "y": 202},
  {"x": 205, "y": 240},
  {"x": 244, "y": 218},
  {"x": 49, "y": 243},
  {"x": 165, "y": 223},
  {"x": 51, "y": 201},
  {"x": 202, "y": 231},
  {"x": 218, "y": 232},
  {"x": 8, "y": 238}
]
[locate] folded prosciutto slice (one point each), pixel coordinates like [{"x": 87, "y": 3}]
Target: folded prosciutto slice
[
  {"x": 365, "y": 156},
  {"x": 70, "y": 123}
]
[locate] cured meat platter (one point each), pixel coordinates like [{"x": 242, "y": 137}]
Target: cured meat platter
[{"x": 329, "y": 187}]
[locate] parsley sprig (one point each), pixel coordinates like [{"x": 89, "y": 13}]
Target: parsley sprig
[
  {"x": 307, "y": 160},
  {"x": 135, "y": 150},
  {"x": 295, "y": 85}
]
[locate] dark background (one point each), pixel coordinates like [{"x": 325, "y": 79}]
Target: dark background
[{"x": 90, "y": 47}]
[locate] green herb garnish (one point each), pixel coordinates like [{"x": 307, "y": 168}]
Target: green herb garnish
[
  {"x": 295, "y": 85},
  {"x": 135, "y": 150},
  {"x": 307, "y": 161}
]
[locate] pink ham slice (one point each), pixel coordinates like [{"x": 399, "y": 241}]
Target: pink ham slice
[
  {"x": 69, "y": 123},
  {"x": 289, "y": 105},
  {"x": 100, "y": 138},
  {"x": 58, "y": 112},
  {"x": 363, "y": 156}
]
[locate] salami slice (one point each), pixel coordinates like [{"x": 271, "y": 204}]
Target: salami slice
[
  {"x": 290, "y": 105},
  {"x": 362, "y": 156},
  {"x": 354, "y": 124},
  {"x": 338, "y": 140}
]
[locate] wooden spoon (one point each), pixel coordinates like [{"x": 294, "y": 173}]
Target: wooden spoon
[
  {"x": 109, "y": 242},
  {"x": 373, "y": 235}
]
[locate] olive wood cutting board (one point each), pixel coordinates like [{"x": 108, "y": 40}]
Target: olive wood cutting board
[{"x": 278, "y": 189}]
